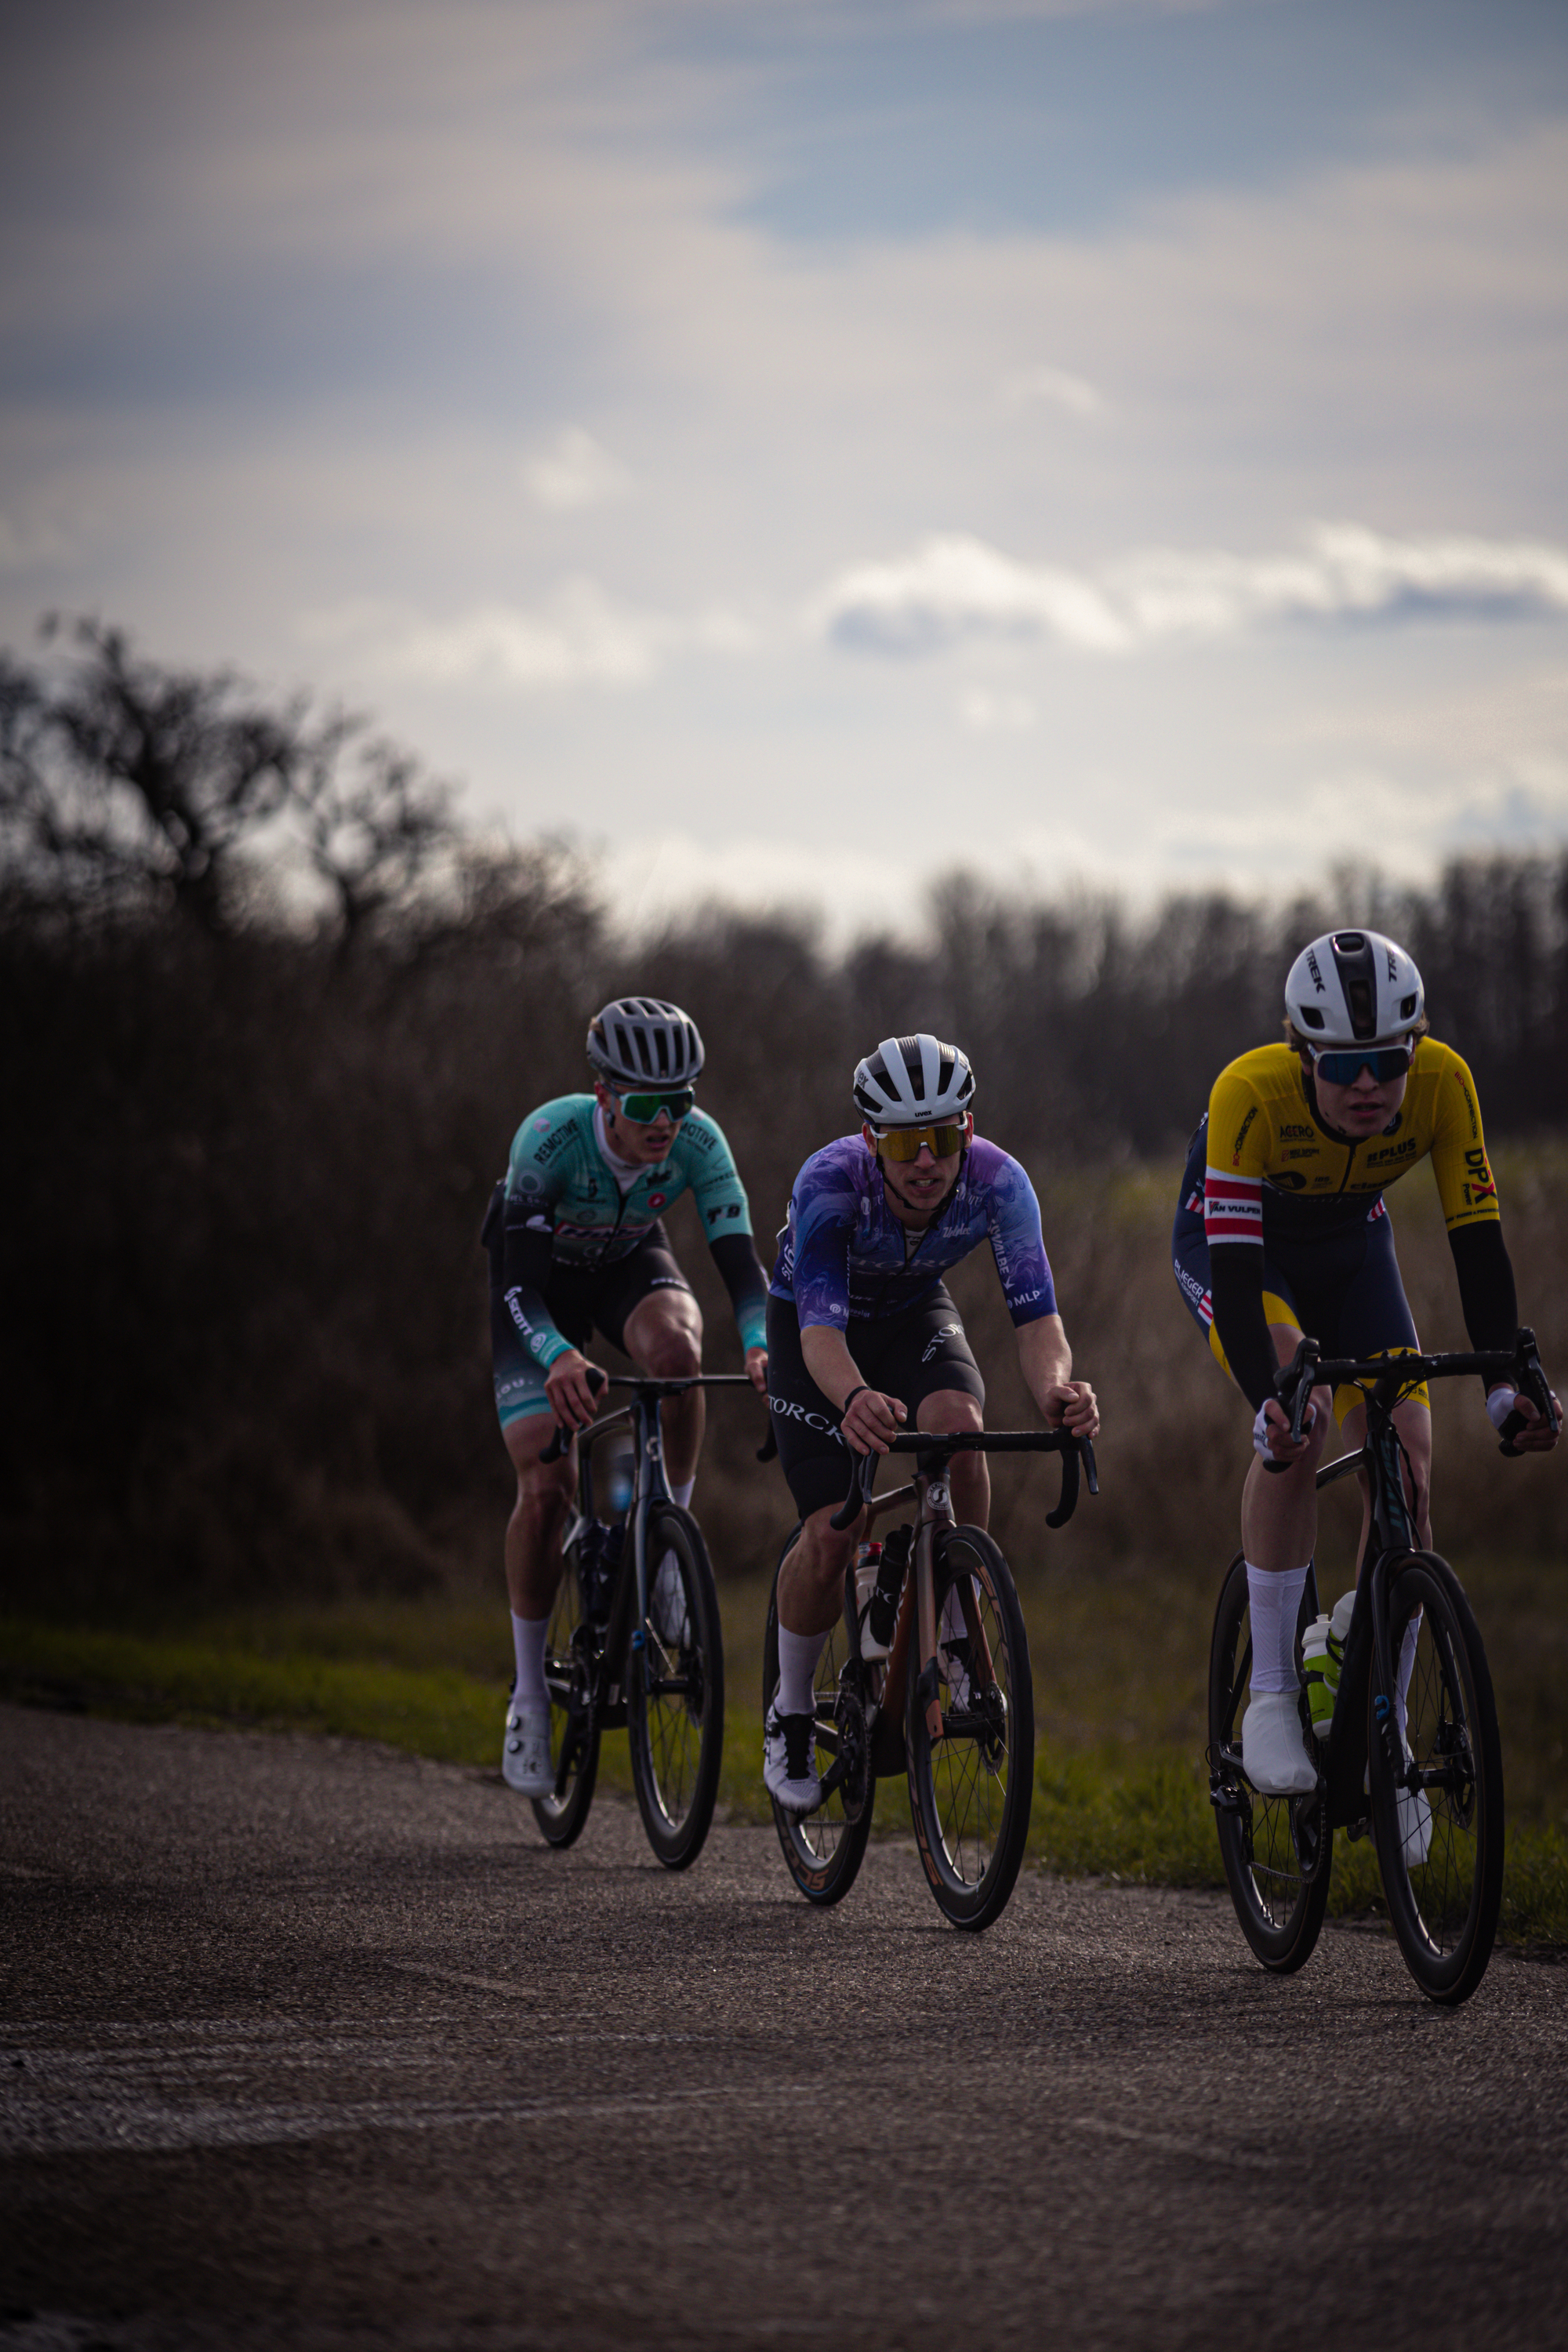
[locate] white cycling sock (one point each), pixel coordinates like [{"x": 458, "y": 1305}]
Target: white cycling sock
[
  {"x": 1275, "y": 1601},
  {"x": 1405, "y": 1668},
  {"x": 528, "y": 1641},
  {"x": 798, "y": 1655},
  {"x": 682, "y": 1493}
]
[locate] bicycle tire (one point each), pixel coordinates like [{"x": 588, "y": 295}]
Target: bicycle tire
[
  {"x": 972, "y": 1791},
  {"x": 675, "y": 1692},
  {"x": 569, "y": 1670},
  {"x": 825, "y": 1849},
  {"x": 1443, "y": 1903},
  {"x": 1277, "y": 1852}
]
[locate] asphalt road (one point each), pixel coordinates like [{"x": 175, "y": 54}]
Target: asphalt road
[{"x": 307, "y": 2043}]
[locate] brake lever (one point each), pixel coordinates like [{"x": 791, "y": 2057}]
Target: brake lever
[
  {"x": 563, "y": 1436},
  {"x": 1529, "y": 1377},
  {"x": 1295, "y": 1380},
  {"x": 861, "y": 1477},
  {"x": 1066, "y": 1503}
]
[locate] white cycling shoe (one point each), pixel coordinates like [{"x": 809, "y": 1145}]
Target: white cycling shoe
[
  {"x": 668, "y": 1611},
  {"x": 789, "y": 1760},
  {"x": 525, "y": 1763},
  {"x": 1414, "y": 1822},
  {"x": 1273, "y": 1747}
]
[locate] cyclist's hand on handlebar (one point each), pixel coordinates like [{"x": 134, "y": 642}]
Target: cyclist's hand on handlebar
[
  {"x": 871, "y": 1420},
  {"x": 1539, "y": 1435},
  {"x": 1073, "y": 1405},
  {"x": 757, "y": 1368},
  {"x": 1271, "y": 1437},
  {"x": 566, "y": 1386}
]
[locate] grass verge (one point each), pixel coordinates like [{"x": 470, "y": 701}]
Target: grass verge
[{"x": 1133, "y": 1814}]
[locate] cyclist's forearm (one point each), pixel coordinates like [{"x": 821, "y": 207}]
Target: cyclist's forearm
[
  {"x": 830, "y": 1363},
  {"x": 1486, "y": 1296},
  {"x": 1236, "y": 1288},
  {"x": 735, "y": 1256},
  {"x": 537, "y": 1333},
  {"x": 525, "y": 1268},
  {"x": 1044, "y": 1356}
]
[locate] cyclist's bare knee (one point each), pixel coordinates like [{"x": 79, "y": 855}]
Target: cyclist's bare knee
[
  {"x": 663, "y": 1336},
  {"x": 544, "y": 1488},
  {"x": 811, "y": 1581},
  {"x": 948, "y": 1409}
]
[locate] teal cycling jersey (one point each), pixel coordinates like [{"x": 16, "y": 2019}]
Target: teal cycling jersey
[{"x": 561, "y": 1189}]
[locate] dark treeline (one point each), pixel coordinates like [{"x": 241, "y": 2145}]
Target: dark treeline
[{"x": 250, "y": 1153}]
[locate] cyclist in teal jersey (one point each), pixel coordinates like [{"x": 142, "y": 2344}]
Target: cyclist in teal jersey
[{"x": 576, "y": 1243}]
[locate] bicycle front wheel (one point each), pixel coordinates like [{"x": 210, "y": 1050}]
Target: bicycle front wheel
[
  {"x": 569, "y": 1667},
  {"x": 675, "y": 1695},
  {"x": 971, "y": 1789},
  {"x": 1278, "y": 1851},
  {"x": 1439, "y": 1843},
  {"x": 825, "y": 1849}
]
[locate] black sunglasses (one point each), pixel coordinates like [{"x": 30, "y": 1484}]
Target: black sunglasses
[{"x": 1343, "y": 1069}]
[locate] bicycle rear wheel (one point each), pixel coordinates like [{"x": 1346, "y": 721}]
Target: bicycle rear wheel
[
  {"x": 970, "y": 1790},
  {"x": 825, "y": 1849},
  {"x": 570, "y": 1664},
  {"x": 1442, "y": 1866},
  {"x": 675, "y": 1696},
  {"x": 1278, "y": 1851}
]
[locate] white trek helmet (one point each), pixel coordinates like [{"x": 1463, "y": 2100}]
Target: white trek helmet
[
  {"x": 641, "y": 1041},
  {"x": 913, "y": 1082},
  {"x": 1353, "y": 988}
]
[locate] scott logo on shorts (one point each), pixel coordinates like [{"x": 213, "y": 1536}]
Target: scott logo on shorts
[{"x": 944, "y": 1332}]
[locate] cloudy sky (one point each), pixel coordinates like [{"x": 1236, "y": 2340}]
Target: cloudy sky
[{"x": 804, "y": 447}]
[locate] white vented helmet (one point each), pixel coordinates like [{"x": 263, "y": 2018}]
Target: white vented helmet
[
  {"x": 1353, "y": 988},
  {"x": 641, "y": 1041},
  {"x": 911, "y": 1081}
]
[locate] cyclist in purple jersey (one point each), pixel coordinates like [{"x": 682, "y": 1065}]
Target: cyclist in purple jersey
[
  {"x": 862, "y": 1333},
  {"x": 846, "y": 1250}
]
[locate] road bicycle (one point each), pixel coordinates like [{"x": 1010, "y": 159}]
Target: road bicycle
[
  {"x": 1413, "y": 1752},
  {"x": 634, "y": 1635},
  {"x": 961, "y": 1726}
]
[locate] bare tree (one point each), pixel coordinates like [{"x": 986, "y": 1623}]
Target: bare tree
[{"x": 126, "y": 784}]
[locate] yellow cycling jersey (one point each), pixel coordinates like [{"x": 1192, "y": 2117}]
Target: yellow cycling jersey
[{"x": 1266, "y": 1139}]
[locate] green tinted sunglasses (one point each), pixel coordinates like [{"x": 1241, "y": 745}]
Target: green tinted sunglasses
[{"x": 643, "y": 1109}]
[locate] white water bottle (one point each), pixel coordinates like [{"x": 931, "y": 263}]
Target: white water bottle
[{"x": 868, "y": 1569}]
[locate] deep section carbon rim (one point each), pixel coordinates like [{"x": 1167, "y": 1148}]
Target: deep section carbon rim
[{"x": 972, "y": 1789}]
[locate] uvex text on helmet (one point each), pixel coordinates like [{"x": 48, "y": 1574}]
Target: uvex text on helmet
[
  {"x": 1353, "y": 988},
  {"x": 909, "y": 1081},
  {"x": 641, "y": 1041}
]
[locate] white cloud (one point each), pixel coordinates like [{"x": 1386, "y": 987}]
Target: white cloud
[
  {"x": 1053, "y": 388},
  {"x": 997, "y": 714},
  {"x": 574, "y": 472},
  {"x": 956, "y": 588},
  {"x": 580, "y": 636}
]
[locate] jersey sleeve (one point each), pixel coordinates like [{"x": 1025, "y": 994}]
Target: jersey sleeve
[
  {"x": 1238, "y": 1149},
  {"x": 824, "y": 1208},
  {"x": 1465, "y": 1185},
  {"x": 527, "y": 1230},
  {"x": 1018, "y": 1244},
  {"x": 708, "y": 1164}
]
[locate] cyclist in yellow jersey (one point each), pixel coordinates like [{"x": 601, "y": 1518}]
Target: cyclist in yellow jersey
[{"x": 1282, "y": 1229}]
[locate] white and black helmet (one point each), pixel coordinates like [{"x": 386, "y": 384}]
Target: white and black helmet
[
  {"x": 1353, "y": 988},
  {"x": 912, "y": 1081},
  {"x": 641, "y": 1041}
]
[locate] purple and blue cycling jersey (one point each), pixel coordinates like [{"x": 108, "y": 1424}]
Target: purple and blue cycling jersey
[{"x": 842, "y": 1254}]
